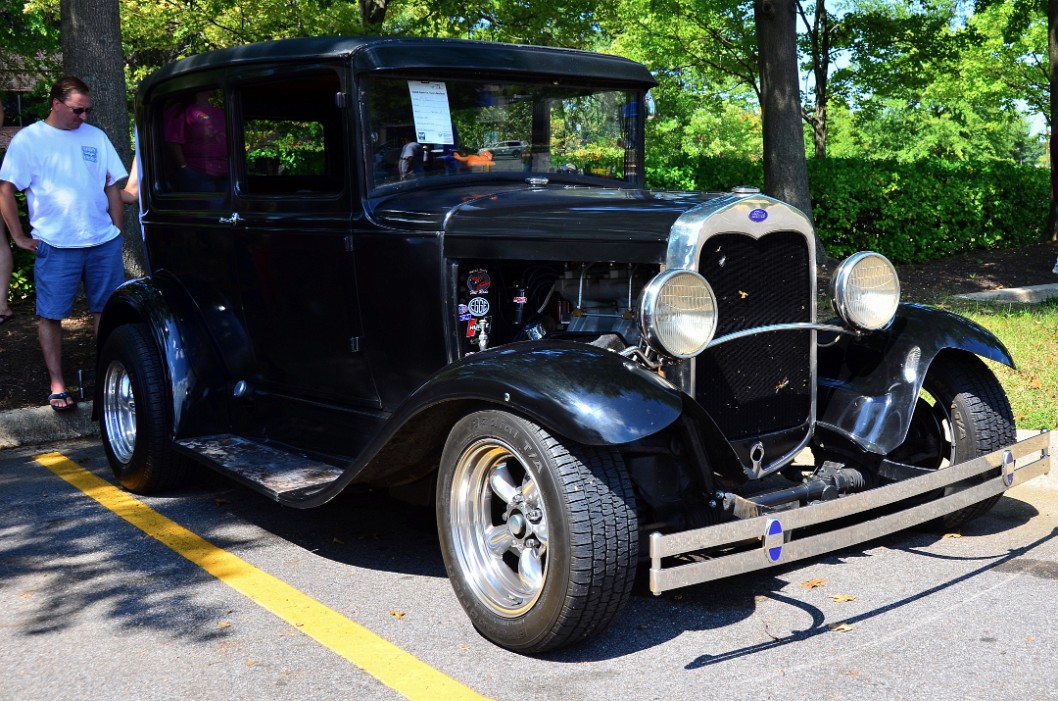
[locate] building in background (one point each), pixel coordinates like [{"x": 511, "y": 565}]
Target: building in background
[{"x": 21, "y": 105}]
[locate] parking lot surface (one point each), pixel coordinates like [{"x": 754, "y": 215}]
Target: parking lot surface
[{"x": 214, "y": 592}]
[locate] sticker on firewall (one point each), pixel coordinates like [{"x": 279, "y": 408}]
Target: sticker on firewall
[
  {"x": 478, "y": 282},
  {"x": 478, "y": 306}
]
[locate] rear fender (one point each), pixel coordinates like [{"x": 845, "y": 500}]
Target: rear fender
[
  {"x": 193, "y": 367},
  {"x": 868, "y": 385}
]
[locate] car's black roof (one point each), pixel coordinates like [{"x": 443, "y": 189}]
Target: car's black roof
[{"x": 412, "y": 53}]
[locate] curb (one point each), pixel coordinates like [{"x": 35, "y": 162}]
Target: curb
[
  {"x": 43, "y": 424},
  {"x": 1024, "y": 295}
]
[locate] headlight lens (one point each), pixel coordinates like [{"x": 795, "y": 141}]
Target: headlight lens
[
  {"x": 677, "y": 313},
  {"x": 866, "y": 291}
]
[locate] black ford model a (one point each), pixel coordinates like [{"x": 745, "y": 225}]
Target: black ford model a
[{"x": 349, "y": 288}]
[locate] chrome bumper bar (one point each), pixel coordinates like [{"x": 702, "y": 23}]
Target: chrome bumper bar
[{"x": 775, "y": 534}]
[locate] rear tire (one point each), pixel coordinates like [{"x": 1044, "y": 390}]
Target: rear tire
[
  {"x": 540, "y": 539},
  {"x": 134, "y": 418},
  {"x": 962, "y": 413}
]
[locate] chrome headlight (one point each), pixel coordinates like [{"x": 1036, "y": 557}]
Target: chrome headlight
[
  {"x": 866, "y": 291},
  {"x": 677, "y": 313}
]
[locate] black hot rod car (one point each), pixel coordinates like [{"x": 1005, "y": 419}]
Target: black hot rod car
[{"x": 348, "y": 288}]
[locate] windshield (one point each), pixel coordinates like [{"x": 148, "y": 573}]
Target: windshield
[{"x": 429, "y": 129}]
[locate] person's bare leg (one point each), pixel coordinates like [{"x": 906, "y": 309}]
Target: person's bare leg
[{"x": 49, "y": 331}]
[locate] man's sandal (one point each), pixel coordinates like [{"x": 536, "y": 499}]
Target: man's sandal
[{"x": 68, "y": 402}]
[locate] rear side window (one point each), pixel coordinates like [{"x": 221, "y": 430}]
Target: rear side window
[
  {"x": 293, "y": 142},
  {"x": 194, "y": 156}
]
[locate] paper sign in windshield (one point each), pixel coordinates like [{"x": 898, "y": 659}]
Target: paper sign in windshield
[{"x": 429, "y": 105}]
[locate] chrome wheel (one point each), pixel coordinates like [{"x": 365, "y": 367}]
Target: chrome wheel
[
  {"x": 540, "y": 537},
  {"x": 119, "y": 411},
  {"x": 499, "y": 528},
  {"x": 135, "y": 415}
]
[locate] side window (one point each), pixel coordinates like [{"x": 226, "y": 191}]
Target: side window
[
  {"x": 194, "y": 153},
  {"x": 293, "y": 140}
]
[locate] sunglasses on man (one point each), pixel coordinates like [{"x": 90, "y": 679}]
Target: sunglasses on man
[{"x": 79, "y": 110}]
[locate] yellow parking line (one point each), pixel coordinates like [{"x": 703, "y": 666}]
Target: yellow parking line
[{"x": 397, "y": 669}]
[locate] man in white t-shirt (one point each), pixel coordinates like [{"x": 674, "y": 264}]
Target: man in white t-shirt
[{"x": 70, "y": 172}]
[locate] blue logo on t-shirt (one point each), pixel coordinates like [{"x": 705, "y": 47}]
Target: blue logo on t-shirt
[{"x": 90, "y": 154}]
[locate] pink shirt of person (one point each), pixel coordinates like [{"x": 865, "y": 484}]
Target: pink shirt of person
[{"x": 199, "y": 131}]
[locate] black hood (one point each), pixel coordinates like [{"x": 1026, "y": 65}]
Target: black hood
[{"x": 551, "y": 222}]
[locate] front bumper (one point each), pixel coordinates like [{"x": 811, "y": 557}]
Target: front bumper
[{"x": 721, "y": 551}]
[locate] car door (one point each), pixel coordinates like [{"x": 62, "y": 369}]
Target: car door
[{"x": 291, "y": 214}]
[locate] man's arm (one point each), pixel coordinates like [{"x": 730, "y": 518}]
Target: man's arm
[
  {"x": 9, "y": 210},
  {"x": 117, "y": 210}
]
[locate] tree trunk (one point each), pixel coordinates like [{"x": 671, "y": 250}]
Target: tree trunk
[
  {"x": 818, "y": 34},
  {"x": 785, "y": 164},
  {"x": 91, "y": 50},
  {"x": 821, "y": 73},
  {"x": 372, "y": 14}
]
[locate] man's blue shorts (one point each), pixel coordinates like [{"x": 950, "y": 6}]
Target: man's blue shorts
[{"x": 58, "y": 272}]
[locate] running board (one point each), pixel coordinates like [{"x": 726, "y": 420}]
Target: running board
[
  {"x": 280, "y": 474},
  {"x": 756, "y": 543}
]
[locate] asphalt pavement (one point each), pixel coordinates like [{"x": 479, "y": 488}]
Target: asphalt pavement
[{"x": 213, "y": 593}]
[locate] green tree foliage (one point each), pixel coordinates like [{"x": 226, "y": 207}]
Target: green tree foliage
[
  {"x": 29, "y": 38},
  {"x": 958, "y": 97},
  {"x": 569, "y": 23}
]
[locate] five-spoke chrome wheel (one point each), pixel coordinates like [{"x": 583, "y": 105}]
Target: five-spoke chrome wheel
[
  {"x": 499, "y": 527},
  {"x": 539, "y": 536}
]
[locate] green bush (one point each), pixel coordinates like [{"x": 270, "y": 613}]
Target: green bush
[
  {"x": 909, "y": 212},
  {"x": 22, "y": 278}
]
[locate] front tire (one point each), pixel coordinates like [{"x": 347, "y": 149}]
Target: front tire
[
  {"x": 540, "y": 540},
  {"x": 962, "y": 413},
  {"x": 134, "y": 419}
]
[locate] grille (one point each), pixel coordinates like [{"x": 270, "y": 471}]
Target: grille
[{"x": 761, "y": 383}]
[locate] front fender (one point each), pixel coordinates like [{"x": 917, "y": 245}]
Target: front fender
[
  {"x": 589, "y": 395},
  {"x": 868, "y": 385},
  {"x": 580, "y": 392}
]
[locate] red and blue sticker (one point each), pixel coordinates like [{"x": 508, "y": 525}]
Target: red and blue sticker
[{"x": 478, "y": 282}]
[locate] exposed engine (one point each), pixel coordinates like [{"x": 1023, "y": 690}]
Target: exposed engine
[{"x": 504, "y": 302}]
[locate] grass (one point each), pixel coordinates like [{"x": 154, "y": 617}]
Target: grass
[{"x": 1030, "y": 333}]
